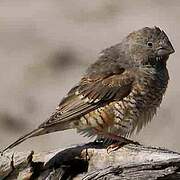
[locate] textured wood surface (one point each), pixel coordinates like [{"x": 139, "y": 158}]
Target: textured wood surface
[{"x": 91, "y": 161}]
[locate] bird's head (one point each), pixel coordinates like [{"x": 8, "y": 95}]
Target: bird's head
[{"x": 149, "y": 46}]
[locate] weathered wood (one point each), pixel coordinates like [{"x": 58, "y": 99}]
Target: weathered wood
[{"x": 91, "y": 161}]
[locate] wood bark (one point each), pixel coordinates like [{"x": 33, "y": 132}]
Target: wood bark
[{"x": 91, "y": 161}]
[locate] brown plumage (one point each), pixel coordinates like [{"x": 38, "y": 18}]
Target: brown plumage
[{"x": 119, "y": 93}]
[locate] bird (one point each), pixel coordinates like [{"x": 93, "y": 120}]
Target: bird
[{"x": 118, "y": 94}]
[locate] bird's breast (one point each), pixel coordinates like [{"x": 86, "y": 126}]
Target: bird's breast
[
  {"x": 123, "y": 116},
  {"x": 139, "y": 107}
]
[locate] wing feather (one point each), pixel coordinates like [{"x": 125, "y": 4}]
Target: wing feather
[{"x": 91, "y": 94}]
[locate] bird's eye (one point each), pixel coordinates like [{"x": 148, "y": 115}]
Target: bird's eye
[{"x": 150, "y": 44}]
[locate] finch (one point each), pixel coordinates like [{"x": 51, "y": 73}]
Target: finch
[{"x": 119, "y": 93}]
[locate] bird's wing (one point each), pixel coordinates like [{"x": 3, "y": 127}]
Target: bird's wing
[
  {"x": 92, "y": 93},
  {"x": 89, "y": 94}
]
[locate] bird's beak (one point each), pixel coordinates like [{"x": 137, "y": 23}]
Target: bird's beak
[{"x": 164, "y": 51}]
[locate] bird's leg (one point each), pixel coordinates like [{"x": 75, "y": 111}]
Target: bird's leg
[
  {"x": 117, "y": 141},
  {"x": 120, "y": 141}
]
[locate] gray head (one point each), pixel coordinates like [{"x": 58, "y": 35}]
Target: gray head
[{"x": 149, "y": 45}]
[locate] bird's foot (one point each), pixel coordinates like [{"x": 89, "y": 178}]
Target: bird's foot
[
  {"x": 120, "y": 143},
  {"x": 114, "y": 147},
  {"x": 112, "y": 141}
]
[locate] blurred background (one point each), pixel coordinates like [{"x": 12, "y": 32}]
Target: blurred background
[{"x": 46, "y": 45}]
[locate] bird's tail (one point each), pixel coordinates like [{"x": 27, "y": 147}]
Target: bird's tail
[
  {"x": 36, "y": 132},
  {"x": 39, "y": 131}
]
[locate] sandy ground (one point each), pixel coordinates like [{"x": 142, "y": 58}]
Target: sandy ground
[{"x": 45, "y": 46}]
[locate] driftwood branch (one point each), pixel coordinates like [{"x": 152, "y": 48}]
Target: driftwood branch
[{"x": 91, "y": 161}]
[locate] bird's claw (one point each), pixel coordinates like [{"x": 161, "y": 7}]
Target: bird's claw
[
  {"x": 114, "y": 147},
  {"x": 118, "y": 145}
]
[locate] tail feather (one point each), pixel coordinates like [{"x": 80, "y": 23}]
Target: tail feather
[
  {"x": 36, "y": 132},
  {"x": 39, "y": 131}
]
